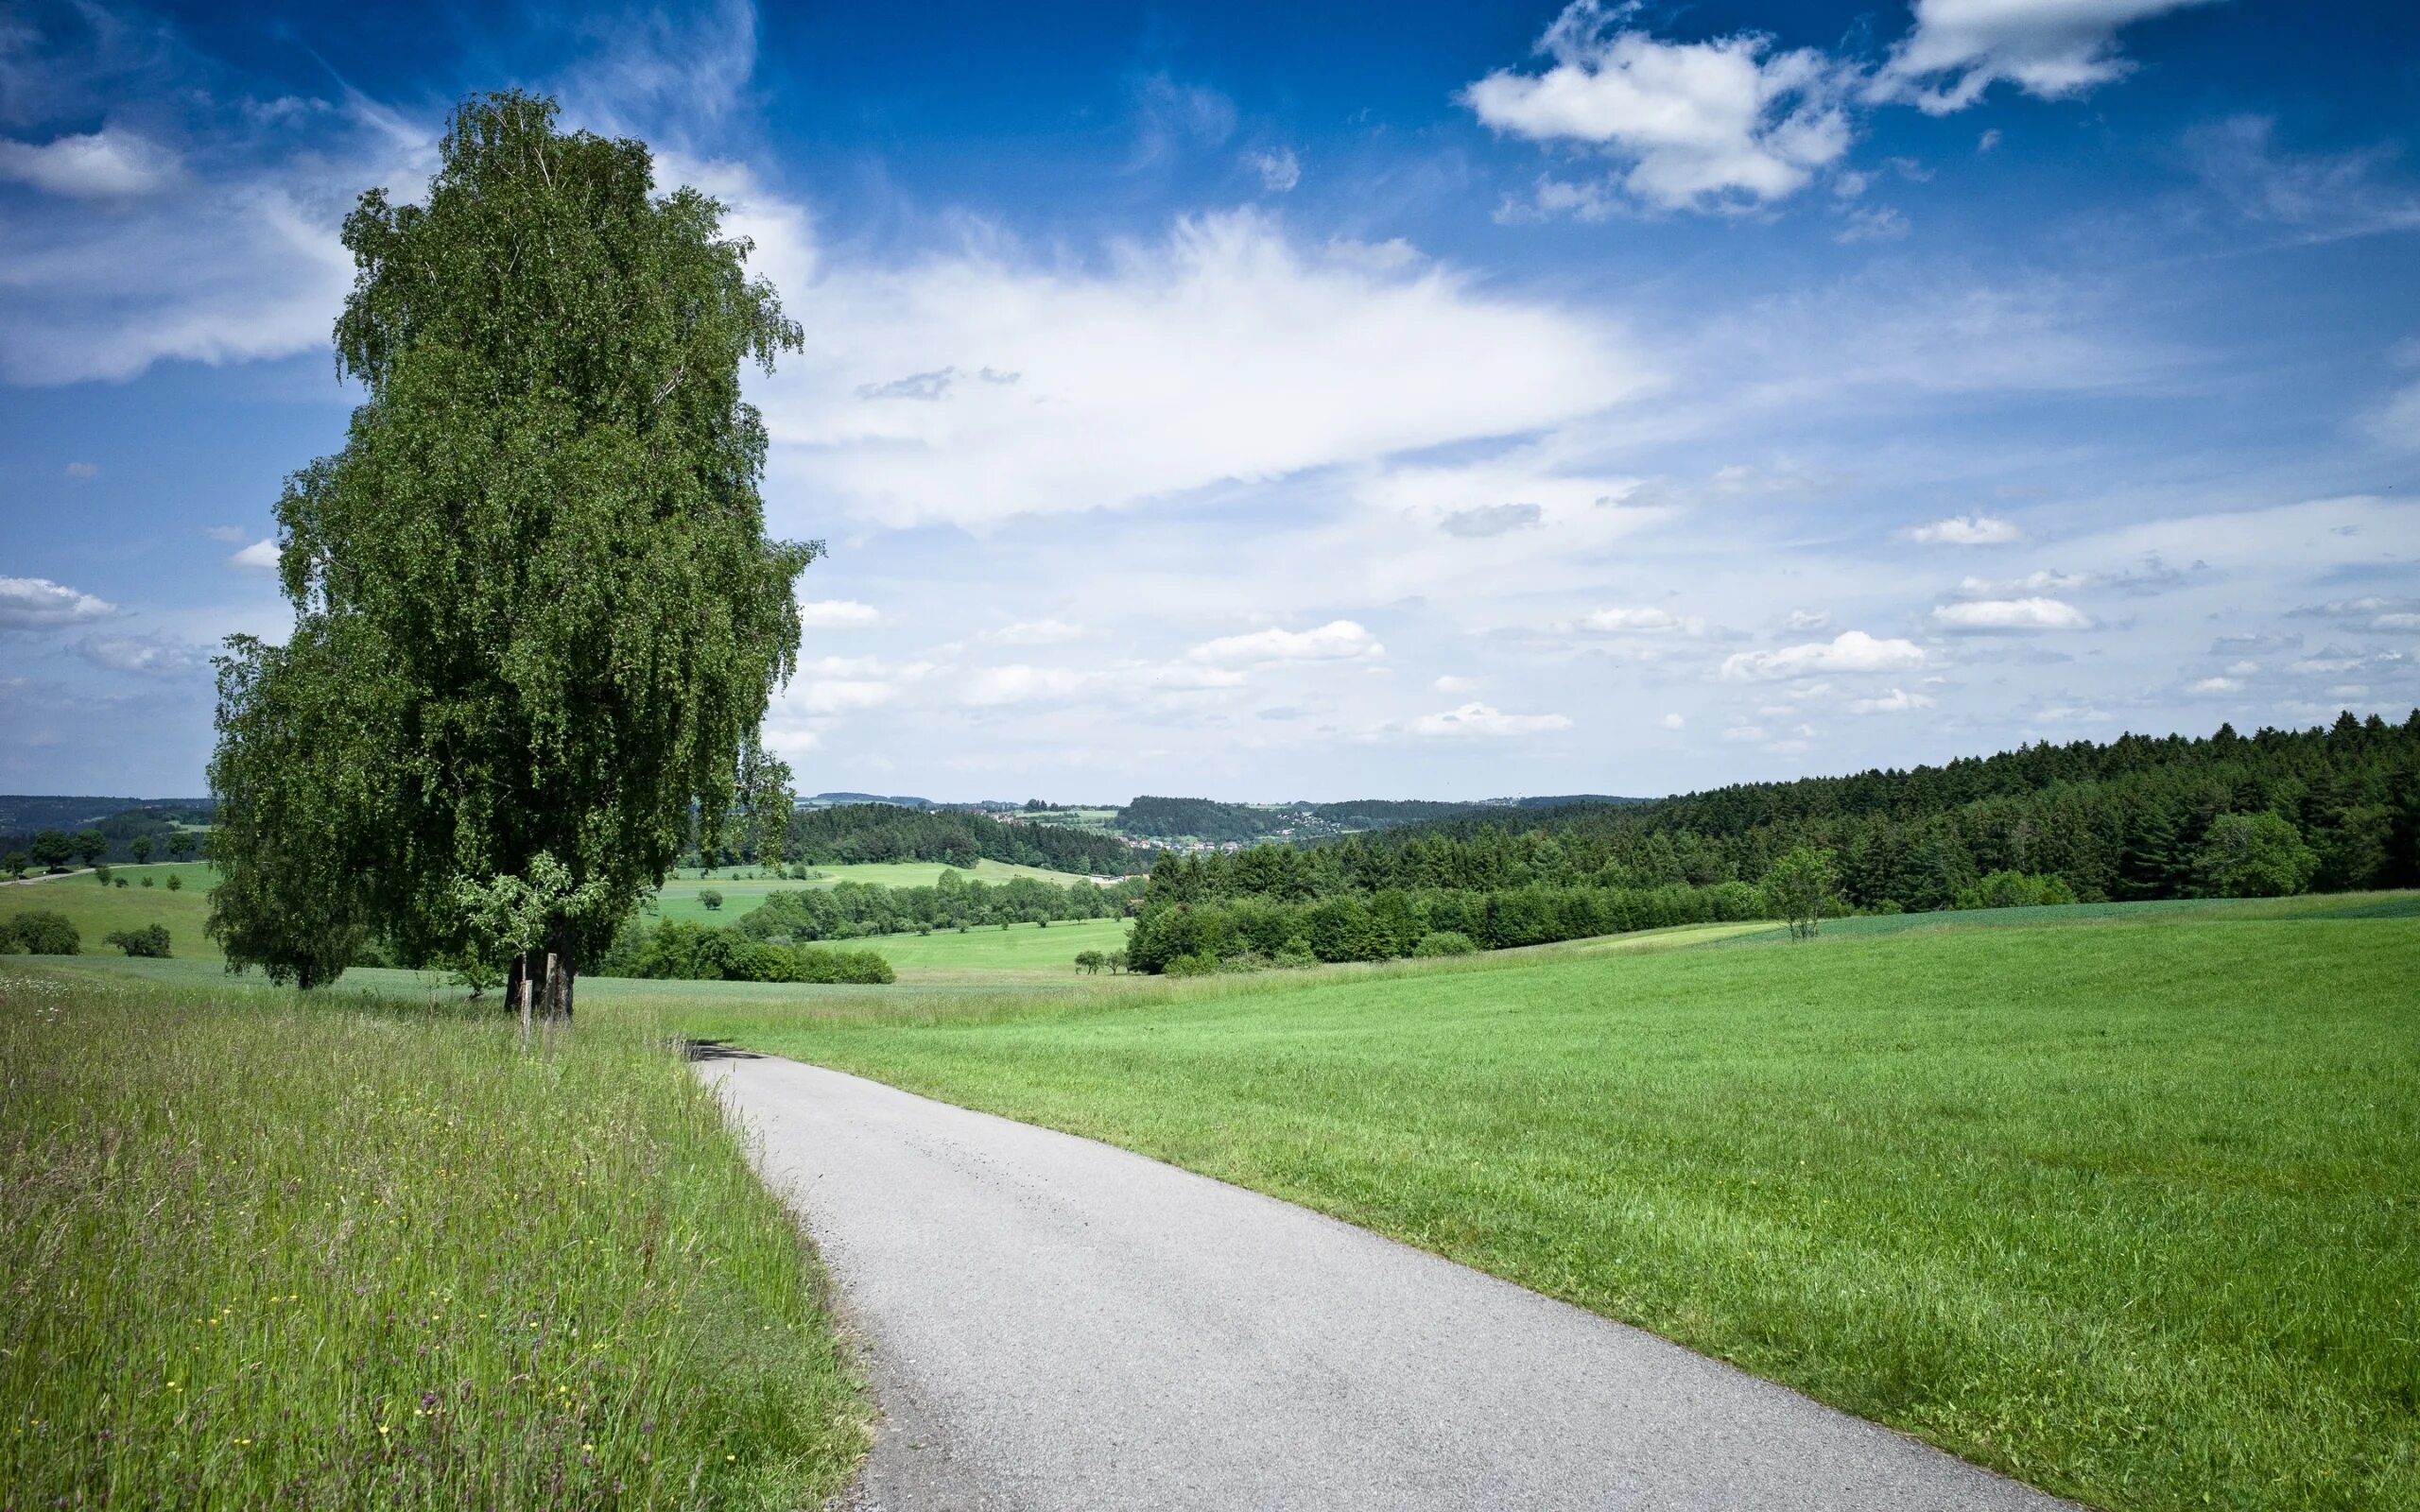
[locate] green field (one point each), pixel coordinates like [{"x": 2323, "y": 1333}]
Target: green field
[
  {"x": 1018, "y": 948},
  {"x": 741, "y": 892},
  {"x": 268, "y": 1250},
  {"x": 2127, "y": 1209},
  {"x": 96, "y": 910}
]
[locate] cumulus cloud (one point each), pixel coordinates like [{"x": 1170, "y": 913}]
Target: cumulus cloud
[
  {"x": 145, "y": 655},
  {"x": 1897, "y": 701},
  {"x": 1033, "y": 632},
  {"x": 1449, "y": 683},
  {"x": 260, "y": 557},
  {"x": 1967, "y": 530},
  {"x": 1280, "y": 171},
  {"x": 1721, "y": 123},
  {"x": 1673, "y": 722},
  {"x": 1480, "y": 720},
  {"x": 2218, "y": 685},
  {"x": 38, "y": 604},
  {"x": 991, "y": 686},
  {"x": 2012, "y": 614},
  {"x": 1646, "y": 621},
  {"x": 1224, "y": 352},
  {"x": 1337, "y": 640},
  {"x": 1849, "y": 651},
  {"x": 2051, "y": 49},
  {"x": 106, "y": 165},
  {"x": 836, "y": 613}
]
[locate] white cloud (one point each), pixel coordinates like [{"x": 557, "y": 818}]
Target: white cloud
[
  {"x": 2318, "y": 196},
  {"x": 147, "y": 655},
  {"x": 107, "y": 164},
  {"x": 1280, "y": 171},
  {"x": 2218, "y": 685},
  {"x": 1224, "y": 354},
  {"x": 2396, "y": 622},
  {"x": 1875, "y": 223},
  {"x": 228, "y": 534},
  {"x": 1648, "y": 620},
  {"x": 38, "y": 604},
  {"x": 1673, "y": 722},
  {"x": 1479, "y": 719},
  {"x": 1715, "y": 124},
  {"x": 1967, "y": 530},
  {"x": 829, "y": 695},
  {"x": 836, "y": 613},
  {"x": 1896, "y": 701},
  {"x": 1807, "y": 619},
  {"x": 1337, "y": 640},
  {"x": 1033, "y": 632},
  {"x": 2397, "y": 422},
  {"x": 1849, "y": 651},
  {"x": 2012, "y": 614},
  {"x": 1744, "y": 734},
  {"x": 83, "y": 472},
  {"x": 1449, "y": 683},
  {"x": 1989, "y": 140},
  {"x": 2034, "y": 583},
  {"x": 260, "y": 557},
  {"x": 2051, "y": 49},
  {"x": 991, "y": 686}
]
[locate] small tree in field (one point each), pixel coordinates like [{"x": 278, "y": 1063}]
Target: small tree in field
[
  {"x": 52, "y": 848},
  {"x": 17, "y": 863},
  {"x": 1090, "y": 962},
  {"x": 141, "y": 847},
  {"x": 91, "y": 845},
  {"x": 181, "y": 845},
  {"x": 712, "y": 899},
  {"x": 1799, "y": 889}
]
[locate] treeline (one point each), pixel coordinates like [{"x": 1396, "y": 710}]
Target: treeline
[
  {"x": 1248, "y": 930},
  {"x": 1168, "y": 819},
  {"x": 958, "y": 837},
  {"x": 2130, "y": 819},
  {"x": 674, "y": 950},
  {"x": 856, "y": 910},
  {"x": 2279, "y": 812}
]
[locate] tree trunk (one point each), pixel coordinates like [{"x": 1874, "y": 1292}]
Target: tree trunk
[
  {"x": 520, "y": 993},
  {"x": 566, "y": 958}
]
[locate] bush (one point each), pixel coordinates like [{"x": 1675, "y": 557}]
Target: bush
[
  {"x": 1198, "y": 964},
  {"x": 151, "y": 940},
  {"x": 147, "y": 879},
  {"x": 175, "y": 882},
  {"x": 712, "y": 899},
  {"x": 1445, "y": 942},
  {"x": 40, "y": 931},
  {"x": 2015, "y": 890},
  {"x": 2254, "y": 855}
]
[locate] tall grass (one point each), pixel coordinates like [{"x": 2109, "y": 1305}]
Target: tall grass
[{"x": 341, "y": 1255}]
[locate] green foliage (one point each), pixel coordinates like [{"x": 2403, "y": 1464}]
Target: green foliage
[
  {"x": 1799, "y": 889},
  {"x": 859, "y": 832},
  {"x": 40, "y": 932},
  {"x": 536, "y": 577},
  {"x": 91, "y": 845},
  {"x": 51, "y": 848},
  {"x": 2252, "y": 855},
  {"x": 151, "y": 940},
  {"x": 1198, "y": 818},
  {"x": 263, "y": 1252},
  {"x": 1091, "y": 962},
  {"x": 140, "y": 847},
  {"x": 2013, "y": 890},
  {"x": 1195, "y": 963},
  {"x": 175, "y": 882},
  {"x": 1444, "y": 942},
  {"x": 17, "y": 864},
  {"x": 705, "y": 953},
  {"x": 712, "y": 899},
  {"x": 183, "y": 845}
]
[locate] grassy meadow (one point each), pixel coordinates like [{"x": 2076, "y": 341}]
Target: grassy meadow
[
  {"x": 347, "y": 1253},
  {"x": 99, "y": 909},
  {"x": 2124, "y": 1206}
]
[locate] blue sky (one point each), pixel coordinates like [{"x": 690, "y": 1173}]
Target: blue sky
[{"x": 1274, "y": 402}]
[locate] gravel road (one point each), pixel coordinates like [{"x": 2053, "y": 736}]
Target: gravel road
[{"x": 1053, "y": 1323}]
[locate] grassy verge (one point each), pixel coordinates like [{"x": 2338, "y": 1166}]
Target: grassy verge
[
  {"x": 2131, "y": 1211},
  {"x": 344, "y": 1254}
]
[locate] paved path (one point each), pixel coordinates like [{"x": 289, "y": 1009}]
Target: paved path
[{"x": 1057, "y": 1324}]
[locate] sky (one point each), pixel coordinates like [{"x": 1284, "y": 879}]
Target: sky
[{"x": 1278, "y": 402}]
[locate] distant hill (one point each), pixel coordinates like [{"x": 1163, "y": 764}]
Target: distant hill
[
  {"x": 848, "y": 832},
  {"x": 1569, "y": 798},
  {"x": 825, "y": 800},
  {"x": 24, "y": 816}
]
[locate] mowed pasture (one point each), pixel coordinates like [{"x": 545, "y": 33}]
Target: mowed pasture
[
  {"x": 97, "y": 909},
  {"x": 333, "y": 1252},
  {"x": 2124, "y": 1207}
]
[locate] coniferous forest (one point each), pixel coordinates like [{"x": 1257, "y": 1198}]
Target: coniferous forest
[{"x": 2277, "y": 811}]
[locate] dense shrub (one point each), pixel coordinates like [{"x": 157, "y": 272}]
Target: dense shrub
[
  {"x": 40, "y": 932},
  {"x": 151, "y": 940},
  {"x": 1445, "y": 942},
  {"x": 2015, "y": 890},
  {"x": 703, "y": 952}
]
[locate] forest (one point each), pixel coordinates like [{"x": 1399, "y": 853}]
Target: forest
[
  {"x": 2334, "y": 809},
  {"x": 880, "y": 831}
]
